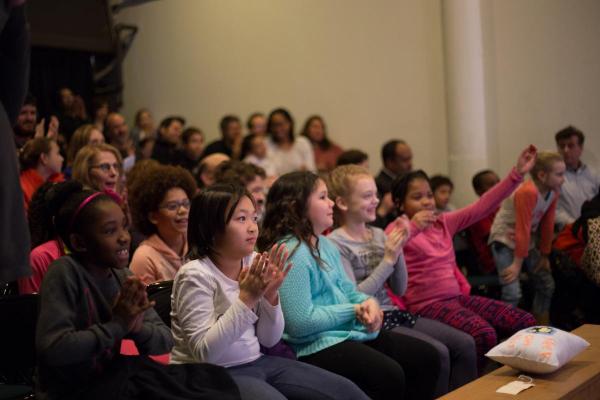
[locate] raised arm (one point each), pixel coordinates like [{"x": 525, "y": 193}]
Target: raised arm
[{"x": 461, "y": 219}]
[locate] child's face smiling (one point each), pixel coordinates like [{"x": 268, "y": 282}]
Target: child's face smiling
[
  {"x": 320, "y": 208},
  {"x": 107, "y": 239},
  {"x": 362, "y": 201},
  {"x": 418, "y": 197}
]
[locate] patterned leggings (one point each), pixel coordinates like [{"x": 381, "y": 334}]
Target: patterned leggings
[{"x": 480, "y": 317}]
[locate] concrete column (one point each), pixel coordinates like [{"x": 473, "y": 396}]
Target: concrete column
[{"x": 465, "y": 95}]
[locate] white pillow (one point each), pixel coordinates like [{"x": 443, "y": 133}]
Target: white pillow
[{"x": 539, "y": 349}]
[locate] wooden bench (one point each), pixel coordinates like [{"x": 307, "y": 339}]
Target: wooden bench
[{"x": 579, "y": 379}]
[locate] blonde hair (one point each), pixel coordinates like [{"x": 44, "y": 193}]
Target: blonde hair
[
  {"x": 341, "y": 180},
  {"x": 80, "y": 138},
  {"x": 544, "y": 162},
  {"x": 87, "y": 157}
]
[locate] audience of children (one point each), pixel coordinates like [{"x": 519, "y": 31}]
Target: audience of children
[
  {"x": 437, "y": 289},
  {"x": 40, "y": 161},
  {"x": 528, "y": 212},
  {"x": 286, "y": 151},
  {"x": 225, "y": 304},
  {"x": 90, "y": 302},
  {"x": 391, "y": 313},
  {"x": 160, "y": 200},
  {"x": 374, "y": 262},
  {"x": 328, "y": 322},
  {"x": 326, "y": 152}
]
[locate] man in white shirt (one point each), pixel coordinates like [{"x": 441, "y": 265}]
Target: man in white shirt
[{"x": 581, "y": 182}]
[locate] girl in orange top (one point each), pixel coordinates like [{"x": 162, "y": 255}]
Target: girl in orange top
[{"x": 40, "y": 162}]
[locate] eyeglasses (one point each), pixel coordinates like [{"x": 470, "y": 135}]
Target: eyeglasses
[
  {"x": 105, "y": 167},
  {"x": 174, "y": 205}
]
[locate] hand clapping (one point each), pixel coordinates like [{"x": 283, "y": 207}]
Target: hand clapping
[
  {"x": 131, "y": 303},
  {"x": 264, "y": 276}
]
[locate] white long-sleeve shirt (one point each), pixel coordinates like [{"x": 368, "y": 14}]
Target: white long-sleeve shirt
[
  {"x": 580, "y": 185},
  {"x": 211, "y": 324}
]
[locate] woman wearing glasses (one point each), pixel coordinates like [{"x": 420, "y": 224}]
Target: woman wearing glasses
[
  {"x": 100, "y": 167},
  {"x": 160, "y": 205}
]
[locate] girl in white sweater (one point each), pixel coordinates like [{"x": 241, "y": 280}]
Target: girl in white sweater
[{"x": 225, "y": 304}]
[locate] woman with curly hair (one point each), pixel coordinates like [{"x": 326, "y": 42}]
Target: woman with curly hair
[{"x": 160, "y": 205}]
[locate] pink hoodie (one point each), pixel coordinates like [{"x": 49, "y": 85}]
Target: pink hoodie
[
  {"x": 429, "y": 254},
  {"x": 154, "y": 261}
]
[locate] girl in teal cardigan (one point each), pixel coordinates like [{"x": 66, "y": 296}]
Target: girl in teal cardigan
[{"x": 329, "y": 322}]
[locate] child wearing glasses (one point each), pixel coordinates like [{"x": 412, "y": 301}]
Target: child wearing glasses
[{"x": 160, "y": 206}]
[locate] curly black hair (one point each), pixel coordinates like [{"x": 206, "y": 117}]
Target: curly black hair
[
  {"x": 149, "y": 189},
  {"x": 285, "y": 212}
]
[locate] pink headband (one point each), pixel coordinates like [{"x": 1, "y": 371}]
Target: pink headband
[{"x": 84, "y": 203}]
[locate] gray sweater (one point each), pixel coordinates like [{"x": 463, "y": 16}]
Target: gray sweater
[
  {"x": 364, "y": 264},
  {"x": 76, "y": 336}
]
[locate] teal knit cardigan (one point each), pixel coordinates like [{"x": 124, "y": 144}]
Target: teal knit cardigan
[{"x": 318, "y": 301}]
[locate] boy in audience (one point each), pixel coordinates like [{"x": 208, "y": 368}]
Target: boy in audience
[
  {"x": 442, "y": 188},
  {"x": 168, "y": 143},
  {"x": 479, "y": 233},
  {"x": 193, "y": 146},
  {"x": 231, "y": 141}
]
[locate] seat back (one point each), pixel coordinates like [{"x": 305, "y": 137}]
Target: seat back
[
  {"x": 160, "y": 292},
  {"x": 17, "y": 348}
]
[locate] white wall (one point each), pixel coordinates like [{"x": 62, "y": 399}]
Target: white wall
[
  {"x": 544, "y": 68},
  {"x": 374, "y": 70}
]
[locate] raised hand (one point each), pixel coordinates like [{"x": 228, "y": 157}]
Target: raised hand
[
  {"x": 131, "y": 303},
  {"x": 424, "y": 218},
  {"x": 277, "y": 270},
  {"x": 526, "y": 160},
  {"x": 394, "y": 243}
]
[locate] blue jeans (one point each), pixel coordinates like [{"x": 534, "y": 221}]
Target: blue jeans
[
  {"x": 275, "y": 378},
  {"x": 543, "y": 283}
]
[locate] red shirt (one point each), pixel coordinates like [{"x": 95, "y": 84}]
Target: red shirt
[
  {"x": 31, "y": 181},
  {"x": 40, "y": 259}
]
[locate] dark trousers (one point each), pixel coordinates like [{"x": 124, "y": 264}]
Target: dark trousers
[{"x": 393, "y": 366}]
